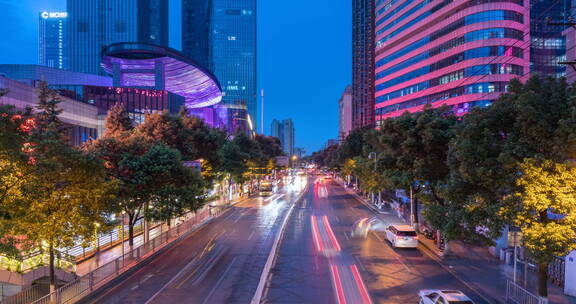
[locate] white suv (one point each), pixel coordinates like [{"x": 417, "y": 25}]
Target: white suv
[
  {"x": 402, "y": 236},
  {"x": 435, "y": 296}
]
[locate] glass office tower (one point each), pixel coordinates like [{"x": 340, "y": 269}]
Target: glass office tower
[
  {"x": 53, "y": 42},
  {"x": 94, "y": 24},
  {"x": 363, "y": 63},
  {"x": 221, "y": 35}
]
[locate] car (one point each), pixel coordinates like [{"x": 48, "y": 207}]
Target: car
[
  {"x": 436, "y": 296},
  {"x": 402, "y": 236}
]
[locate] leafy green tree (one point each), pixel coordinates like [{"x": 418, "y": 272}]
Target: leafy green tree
[
  {"x": 413, "y": 150},
  {"x": 14, "y": 168},
  {"x": 544, "y": 207},
  {"x": 64, "y": 195},
  {"x": 530, "y": 121}
]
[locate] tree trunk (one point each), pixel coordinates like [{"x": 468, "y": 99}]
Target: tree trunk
[
  {"x": 52, "y": 272},
  {"x": 543, "y": 279}
]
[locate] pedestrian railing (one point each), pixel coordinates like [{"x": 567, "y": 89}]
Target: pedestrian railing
[
  {"x": 84, "y": 285},
  {"x": 518, "y": 295}
]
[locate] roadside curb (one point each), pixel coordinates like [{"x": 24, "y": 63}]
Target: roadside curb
[{"x": 271, "y": 261}]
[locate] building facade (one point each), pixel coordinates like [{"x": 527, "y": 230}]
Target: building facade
[
  {"x": 345, "y": 113},
  {"x": 82, "y": 119},
  {"x": 284, "y": 130},
  {"x": 456, "y": 53},
  {"x": 221, "y": 35},
  {"x": 53, "y": 40},
  {"x": 547, "y": 41},
  {"x": 94, "y": 24},
  {"x": 363, "y": 62}
]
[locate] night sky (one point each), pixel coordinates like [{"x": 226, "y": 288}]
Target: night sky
[{"x": 304, "y": 56}]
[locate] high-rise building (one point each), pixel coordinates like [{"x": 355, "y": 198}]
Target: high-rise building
[
  {"x": 456, "y": 53},
  {"x": 363, "y": 62},
  {"x": 463, "y": 53},
  {"x": 221, "y": 35},
  {"x": 547, "y": 42},
  {"x": 94, "y": 24},
  {"x": 345, "y": 113},
  {"x": 53, "y": 42},
  {"x": 284, "y": 130}
]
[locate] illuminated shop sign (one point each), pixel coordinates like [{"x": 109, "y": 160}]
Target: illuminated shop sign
[{"x": 48, "y": 15}]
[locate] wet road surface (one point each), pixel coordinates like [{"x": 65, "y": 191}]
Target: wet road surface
[
  {"x": 320, "y": 262},
  {"x": 219, "y": 263}
]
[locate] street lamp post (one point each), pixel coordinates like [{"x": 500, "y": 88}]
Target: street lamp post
[{"x": 122, "y": 236}]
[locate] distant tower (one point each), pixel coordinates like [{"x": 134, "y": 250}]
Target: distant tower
[
  {"x": 95, "y": 24},
  {"x": 53, "y": 41},
  {"x": 262, "y": 114}
]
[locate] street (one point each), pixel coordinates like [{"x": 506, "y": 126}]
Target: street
[
  {"x": 320, "y": 262},
  {"x": 219, "y": 263}
]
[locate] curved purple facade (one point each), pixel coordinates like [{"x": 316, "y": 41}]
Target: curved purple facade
[
  {"x": 149, "y": 66},
  {"x": 447, "y": 52}
]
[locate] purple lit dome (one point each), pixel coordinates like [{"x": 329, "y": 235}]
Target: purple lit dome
[{"x": 149, "y": 66}]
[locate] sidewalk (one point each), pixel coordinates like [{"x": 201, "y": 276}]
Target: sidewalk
[{"x": 475, "y": 266}]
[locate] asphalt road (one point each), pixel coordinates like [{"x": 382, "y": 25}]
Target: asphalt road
[
  {"x": 320, "y": 262},
  {"x": 219, "y": 263}
]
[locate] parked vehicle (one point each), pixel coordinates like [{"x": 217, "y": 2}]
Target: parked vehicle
[
  {"x": 435, "y": 296},
  {"x": 403, "y": 236}
]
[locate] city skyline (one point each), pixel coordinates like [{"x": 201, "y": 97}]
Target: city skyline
[{"x": 306, "y": 41}]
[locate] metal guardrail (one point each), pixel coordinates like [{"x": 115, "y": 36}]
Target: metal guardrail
[
  {"x": 84, "y": 285},
  {"x": 518, "y": 295}
]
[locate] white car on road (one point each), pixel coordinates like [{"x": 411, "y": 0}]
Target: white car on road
[
  {"x": 436, "y": 296},
  {"x": 402, "y": 236}
]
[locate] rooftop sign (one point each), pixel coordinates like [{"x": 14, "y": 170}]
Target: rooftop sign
[{"x": 49, "y": 15}]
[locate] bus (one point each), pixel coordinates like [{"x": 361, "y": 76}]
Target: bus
[{"x": 266, "y": 188}]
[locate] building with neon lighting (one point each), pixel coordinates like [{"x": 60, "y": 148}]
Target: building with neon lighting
[
  {"x": 142, "y": 66},
  {"x": 461, "y": 53}
]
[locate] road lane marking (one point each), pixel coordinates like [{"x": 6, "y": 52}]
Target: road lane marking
[
  {"x": 357, "y": 258},
  {"x": 378, "y": 237},
  {"x": 337, "y": 219},
  {"x": 360, "y": 285},
  {"x": 219, "y": 281},
  {"x": 171, "y": 281},
  {"x": 251, "y": 235},
  {"x": 346, "y": 235}
]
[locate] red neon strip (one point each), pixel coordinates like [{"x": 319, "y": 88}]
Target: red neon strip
[
  {"x": 315, "y": 234},
  {"x": 330, "y": 233},
  {"x": 338, "y": 285},
  {"x": 360, "y": 284}
]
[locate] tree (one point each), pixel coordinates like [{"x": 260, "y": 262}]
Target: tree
[
  {"x": 118, "y": 120},
  {"x": 530, "y": 121},
  {"x": 413, "y": 150},
  {"x": 14, "y": 131},
  {"x": 544, "y": 207},
  {"x": 63, "y": 195},
  {"x": 148, "y": 168}
]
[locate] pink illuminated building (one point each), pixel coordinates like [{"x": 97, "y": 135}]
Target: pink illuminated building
[{"x": 460, "y": 53}]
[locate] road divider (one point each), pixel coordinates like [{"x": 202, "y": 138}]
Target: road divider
[{"x": 257, "y": 298}]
